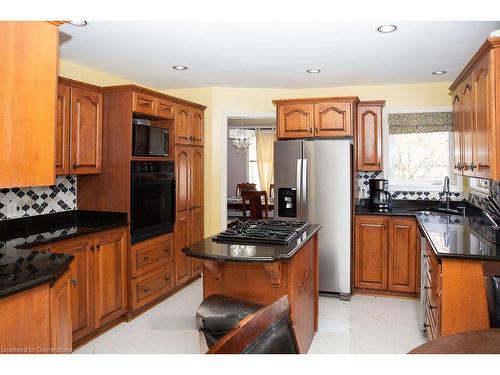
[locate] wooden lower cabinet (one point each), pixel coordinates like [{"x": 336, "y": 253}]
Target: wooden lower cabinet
[
  {"x": 38, "y": 320},
  {"x": 370, "y": 254},
  {"x": 61, "y": 340},
  {"x": 385, "y": 254},
  {"x": 181, "y": 240},
  {"x": 402, "y": 255},
  {"x": 110, "y": 277},
  {"x": 98, "y": 280},
  {"x": 152, "y": 285}
]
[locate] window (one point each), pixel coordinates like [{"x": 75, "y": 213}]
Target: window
[
  {"x": 419, "y": 151},
  {"x": 252, "y": 168}
]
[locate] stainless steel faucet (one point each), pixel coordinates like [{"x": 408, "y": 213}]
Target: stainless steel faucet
[{"x": 446, "y": 191}]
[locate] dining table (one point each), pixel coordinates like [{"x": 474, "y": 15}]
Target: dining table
[
  {"x": 236, "y": 203},
  {"x": 486, "y": 341}
]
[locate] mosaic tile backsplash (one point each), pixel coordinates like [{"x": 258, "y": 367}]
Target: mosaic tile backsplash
[{"x": 41, "y": 199}]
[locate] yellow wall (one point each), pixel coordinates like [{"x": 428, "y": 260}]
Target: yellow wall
[{"x": 222, "y": 102}]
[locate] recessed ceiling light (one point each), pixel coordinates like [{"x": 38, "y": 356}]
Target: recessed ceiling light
[
  {"x": 179, "y": 67},
  {"x": 313, "y": 71},
  {"x": 78, "y": 23},
  {"x": 386, "y": 29},
  {"x": 439, "y": 72}
]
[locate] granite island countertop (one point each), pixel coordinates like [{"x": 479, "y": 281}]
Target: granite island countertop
[
  {"x": 22, "y": 268},
  {"x": 450, "y": 236},
  {"x": 250, "y": 253}
]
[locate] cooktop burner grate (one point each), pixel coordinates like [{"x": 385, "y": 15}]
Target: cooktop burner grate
[{"x": 262, "y": 232}]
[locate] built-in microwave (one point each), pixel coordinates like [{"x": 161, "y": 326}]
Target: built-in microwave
[{"x": 149, "y": 140}]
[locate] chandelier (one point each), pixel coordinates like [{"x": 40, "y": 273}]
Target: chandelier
[{"x": 241, "y": 139}]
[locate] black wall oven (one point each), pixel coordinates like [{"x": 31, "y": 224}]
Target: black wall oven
[
  {"x": 152, "y": 199},
  {"x": 149, "y": 140}
]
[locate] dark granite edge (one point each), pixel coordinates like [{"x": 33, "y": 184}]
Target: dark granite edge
[
  {"x": 223, "y": 258},
  {"x": 21, "y": 287}
]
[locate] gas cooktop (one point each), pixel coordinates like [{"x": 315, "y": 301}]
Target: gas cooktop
[{"x": 262, "y": 232}]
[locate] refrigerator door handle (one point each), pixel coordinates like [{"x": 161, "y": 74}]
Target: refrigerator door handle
[
  {"x": 303, "y": 191},
  {"x": 298, "y": 201}
]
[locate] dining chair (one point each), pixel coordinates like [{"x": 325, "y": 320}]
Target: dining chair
[
  {"x": 254, "y": 199},
  {"x": 245, "y": 186},
  {"x": 491, "y": 272},
  {"x": 271, "y": 191},
  {"x": 268, "y": 331}
]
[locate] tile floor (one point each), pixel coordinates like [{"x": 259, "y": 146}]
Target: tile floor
[{"x": 363, "y": 325}]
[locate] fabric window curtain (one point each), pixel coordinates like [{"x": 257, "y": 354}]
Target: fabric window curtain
[
  {"x": 423, "y": 122},
  {"x": 265, "y": 158}
]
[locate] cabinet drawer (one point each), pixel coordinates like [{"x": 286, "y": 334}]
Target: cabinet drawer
[
  {"x": 152, "y": 285},
  {"x": 143, "y": 103},
  {"x": 165, "y": 109},
  {"x": 150, "y": 254}
]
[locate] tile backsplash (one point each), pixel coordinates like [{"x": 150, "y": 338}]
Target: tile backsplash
[{"x": 38, "y": 200}]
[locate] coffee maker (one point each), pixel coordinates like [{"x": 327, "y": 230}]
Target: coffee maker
[{"x": 379, "y": 196}]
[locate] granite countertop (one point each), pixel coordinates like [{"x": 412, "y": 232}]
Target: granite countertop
[
  {"x": 22, "y": 268},
  {"x": 243, "y": 252},
  {"x": 450, "y": 236}
]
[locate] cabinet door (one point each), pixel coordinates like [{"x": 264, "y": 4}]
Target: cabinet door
[
  {"x": 165, "y": 109},
  {"x": 143, "y": 103},
  {"x": 181, "y": 240},
  {"x": 457, "y": 132},
  {"x": 182, "y": 125},
  {"x": 196, "y": 225},
  {"x": 62, "y": 129},
  {"x": 183, "y": 176},
  {"x": 197, "y": 120},
  {"x": 82, "y": 296},
  {"x": 370, "y": 254},
  {"x": 196, "y": 235},
  {"x": 110, "y": 277},
  {"x": 60, "y": 315},
  {"x": 402, "y": 254},
  {"x": 369, "y": 138},
  {"x": 295, "y": 120},
  {"x": 28, "y": 83},
  {"x": 86, "y": 131},
  {"x": 467, "y": 125},
  {"x": 332, "y": 120},
  {"x": 482, "y": 121}
]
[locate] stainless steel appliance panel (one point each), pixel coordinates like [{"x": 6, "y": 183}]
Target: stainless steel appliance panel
[{"x": 327, "y": 188}]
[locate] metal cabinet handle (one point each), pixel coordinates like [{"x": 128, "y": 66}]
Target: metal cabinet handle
[
  {"x": 98, "y": 247},
  {"x": 432, "y": 307},
  {"x": 310, "y": 130},
  {"x": 427, "y": 287},
  {"x": 75, "y": 166},
  {"x": 146, "y": 290},
  {"x": 426, "y": 325},
  {"x": 74, "y": 281},
  {"x": 167, "y": 278},
  {"x": 472, "y": 166},
  {"x": 379, "y": 164},
  {"x": 92, "y": 248},
  {"x": 146, "y": 258}
]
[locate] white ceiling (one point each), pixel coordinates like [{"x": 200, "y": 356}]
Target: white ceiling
[{"x": 274, "y": 55}]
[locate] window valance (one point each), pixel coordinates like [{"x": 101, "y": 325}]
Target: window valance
[{"x": 423, "y": 122}]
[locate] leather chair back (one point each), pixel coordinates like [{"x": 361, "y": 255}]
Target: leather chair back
[{"x": 491, "y": 272}]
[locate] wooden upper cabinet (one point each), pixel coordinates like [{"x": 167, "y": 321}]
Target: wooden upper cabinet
[
  {"x": 144, "y": 103},
  {"x": 86, "y": 131},
  {"x": 370, "y": 253},
  {"x": 476, "y": 118},
  {"x": 402, "y": 255},
  {"x": 110, "y": 275},
  {"x": 28, "y": 76},
  {"x": 457, "y": 132},
  {"x": 315, "y": 117},
  {"x": 467, "y": 97},
  {"x": 197, "y": 120},
  {"x": 165, "y": 109},
  {"x": 62, "y": 129},
  {"x": 332, "y": 119},
  {"x": 369, "y": 136},
  {"x": 482, "y": 122},
  {"x": 295, "y": 120},
  {"x": 182, "y": 125}
]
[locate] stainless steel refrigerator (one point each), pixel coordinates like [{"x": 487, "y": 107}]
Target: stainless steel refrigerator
[{"x": 312, "y": 182}]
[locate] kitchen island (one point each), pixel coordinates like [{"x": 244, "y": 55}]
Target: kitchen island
[{"x": 263, "y": 273}]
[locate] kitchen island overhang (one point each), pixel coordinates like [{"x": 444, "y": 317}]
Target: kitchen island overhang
[{"x": 264, "y": 273}]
